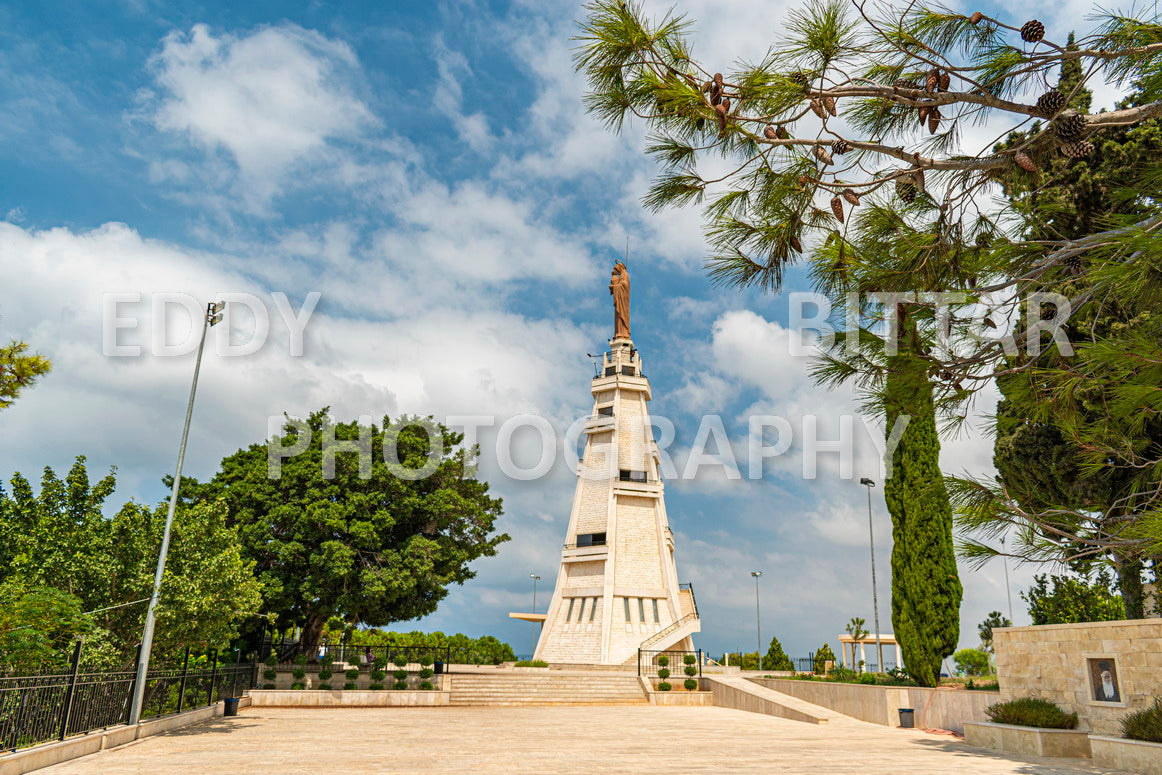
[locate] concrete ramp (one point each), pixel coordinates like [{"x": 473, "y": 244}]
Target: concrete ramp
[{"x": 738, "y": 693}]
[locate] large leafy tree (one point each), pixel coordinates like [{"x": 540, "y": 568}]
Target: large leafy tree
[
  {"x": 1069, "y": 599},
  {"x": 19, "y": 370},
  {"x": 364, "y": 544},
  {"x": 36, "y": 626}
]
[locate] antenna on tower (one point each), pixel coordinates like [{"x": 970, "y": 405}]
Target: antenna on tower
[
  {"x": 596, "y": 367},
  {"x": 627, "y": 251}
]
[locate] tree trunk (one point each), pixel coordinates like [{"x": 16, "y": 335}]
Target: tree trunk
[
  {"x": 312, "y": 634},
  {"x": 1130, "y": 584}
]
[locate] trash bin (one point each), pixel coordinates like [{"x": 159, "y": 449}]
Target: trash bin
[
  {"x": 231, "y": 706},
  {"x": 439, "y": 668},
  {"x": 907, "y": 718}
]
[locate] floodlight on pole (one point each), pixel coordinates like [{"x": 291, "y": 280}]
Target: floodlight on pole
[
  {"x": 758, "y": 628},
  {"x": 212, "y": 317},
  {"x": 535, "y": 579},
  {"x": 869, "y": 484}
]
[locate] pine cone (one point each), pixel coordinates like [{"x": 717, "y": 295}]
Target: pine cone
[
  {"x": 817, "y": 108},
  {"x": 850, "y": 196},
  {"x": 901, "y": 83},
  {"x": 918, "y": 179},
  {"x": 906, "y": 191},
  {"x": 1025, "y": 162},
  {"x": 840, "y": 147},
  {"x": 726, "y": 103},
  {"x": 983, "y": 240},
  {"x": 1077, "y": 149},
  {"x": 1069, "y": 128},
  {"x": 782, "y": 133},
  {"x": 933, "y": 120},
  {"x": 720, "y": 114},
  {"x": 799, "y": 77},
  {"x": 829, "y": 103},
  {"x": 1032, "y": 31},
  {"x": 945, "y": 81},
  {"x": 924, "y": 110},
  {"x": 770, "y": 133},
  {"x": 976, "y": 17},
  {"x": 932, "y": 80},
  {"x": 706, "y": 87},
  {"x": 1073, "y": 265},
  {"x": 837, "y": 208},
  {"x": 823, "y": 155},
  {"x": 1050, "y": 103},
  {"x": 715, "y": 95},
  {"x": 718, "y": 79},
  {"x": 796, "y": 245}
]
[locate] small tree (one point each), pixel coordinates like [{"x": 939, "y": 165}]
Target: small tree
[
  {"x": 971, "y": 662},
  {"x": 822, "y": 657},
  {"x": 19, "y": 371},
  {"x": 985, "y": 628},
  {"x": 1073, "y": 599},
  {"x": 776, "y": 658}
]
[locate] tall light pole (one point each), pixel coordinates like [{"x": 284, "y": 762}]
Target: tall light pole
[
  {"x": 533, "y": 648},
  {"x": 212, "y": 318},
  {"x": 1008, "y": 589},
  {"x": 871, "y": 535},
  {"x": 758, "y": 628}
]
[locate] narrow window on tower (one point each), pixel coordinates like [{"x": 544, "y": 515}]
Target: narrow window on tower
[
  {"x": 580, "y": 608},
  {"x": 569, "y": 616},
  {"x": 593, "y": 609},
  {"x": 641, "y": 610},
  {"x": 657, "y": 619},
  {"x": 628, "y": 618}
]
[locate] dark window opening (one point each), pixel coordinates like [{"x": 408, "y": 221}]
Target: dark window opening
[
  {"x": 629, "y": 371},
  {"x": 605, "y": 411},
  {"x": 632, "y": 476},
  {"x": 610, "y": 371},
  {"x": 591, "y": 539}
]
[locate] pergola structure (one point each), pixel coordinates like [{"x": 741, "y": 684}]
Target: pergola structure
[{"x": 847, "y": 642}]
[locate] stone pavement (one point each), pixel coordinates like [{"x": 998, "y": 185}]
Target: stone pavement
[{"x": 591, "y": 739}]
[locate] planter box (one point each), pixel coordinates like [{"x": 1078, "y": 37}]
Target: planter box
[
  {"x": 351, "y": 698},
  {"x": 1118, "y": 753},
  {"x": 1033, "y": 741},
  {"x": 529, "y": 669},
  {"x": 681, "y": 698}
]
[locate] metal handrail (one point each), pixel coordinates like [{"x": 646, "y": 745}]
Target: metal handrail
[
  {"x": 693, "y": 599},
  {"x": 657, "y": 636}
]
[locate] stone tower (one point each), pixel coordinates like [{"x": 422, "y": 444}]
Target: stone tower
[{"x": 617, "y": 589}]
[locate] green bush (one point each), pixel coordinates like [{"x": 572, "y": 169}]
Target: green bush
[
  {"x": 690, "y": 670},
  {"x": 531, "y": 663},
  {"x": 350, "y": 685},
  {"x": 822, "y": 657},
  {"x": 690, "y": 659},
  {"x": 379, "y": 663},
  {"x": 324, "y": 674},
  {"x": 400, "y": 675},
  {"x": 298, "y": 685},
  {"x": 268, "y": 686},
  {"x": 1145, "y": 724},
  {"x": 971, "y": 661},
  {"x": 378, "y": 675},
  {"x": 425, "y": 661},
  {"x": 400, "y": 662},
  {"x": 664, "y": 687},
  {"x": 300, "y": 659},
  {"x": 1031, "y": 712},
  {"x": 376, "y": 687},
  {"x": 324, "y": 686},
  {"x": 270, "y": 674},
  {"x": 400, "y": 685},
  {"x": 663, "y": 661},
  {"x": 271, "y": 660},
  {"x": 690, "y": 684},
  {"x": 426, "y": 685},
  {"x": 326, "y": 659},
  {"x": 352, "y": 674},
  {"x": 663, "y": 673},
  {"x": 427, "y": 673},
  {"x": 299, "y": 673},
  {"x": 985, "y": 686}
]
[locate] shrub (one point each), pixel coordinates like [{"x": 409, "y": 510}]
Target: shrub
[
  {"x": 663, "y": 661},
  {"x": 971, "y": 661},
  {"x": 271, "y": 660},
  {"x": 299, "y": 673},
  {"x": 268, "y": 686},
  {"x": 427, "y": 673},
  {"x": 664, "y": 687},
  {"x": 352, "y": 674},
  {"x": 531, "y": 663},
  {"x": 325, "y": 686},
  {"x": 298, "y": 685},
  {"x": 985, "y": 686},
  {"x": 425, "y": 661},
  {"x": 690, "y": 670},
  {"x": 822, "y": 657},
  {"x": 1145, "y": 724},
  {"x": 379, "y": 663},
  {"x": 324, "y": 674},
  {"x": 690, "y": 659},
  {"x": 300, "y": 659},
  {"x": 400, "y": 675},
  {"x": 350, "y": 685},
  {"x": 690, "y": 684},
  {"x": 426, "y": 685},
  {"x": 375, "y": 687},
  {"x": 1031, "y": 712},
  {"x": 401, "y": 662},
  {"x": 326, "y": 659},
  {"x": 270, "y": 674},
  {"x": 663, "y": 673},
  {"x": 400, "y": 685},
  {"x": 378, "y": 675}
]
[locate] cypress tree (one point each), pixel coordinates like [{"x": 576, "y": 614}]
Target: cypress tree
[
  {"x": 776, "y": 658},
  {"x": 926, "y": 589}
]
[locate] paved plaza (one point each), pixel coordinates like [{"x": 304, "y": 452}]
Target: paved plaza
[{"x": 592, "y": 739}]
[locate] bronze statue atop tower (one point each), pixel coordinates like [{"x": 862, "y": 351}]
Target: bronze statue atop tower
[{"x": 619, "y": 289}]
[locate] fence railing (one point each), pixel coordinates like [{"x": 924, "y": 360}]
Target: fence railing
[
  {"x": 362, "y": 655},
  {"x": 38, "y": 709},
  {"x": 647, "y": 663}
]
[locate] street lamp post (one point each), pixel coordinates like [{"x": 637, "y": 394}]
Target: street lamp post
[
  {"x": 533, "y": 648},
  {"x": 875, "y": 594},
  {"x": 212, "y": 318},
  {"x": 758, "y": 628},
  {"x": 1008, "y": 589}
]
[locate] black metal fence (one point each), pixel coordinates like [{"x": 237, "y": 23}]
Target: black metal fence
[
  {"x": 365, "y": 655},
  {"x": 38, "y": 709},
  {"x": 675, "y": 661}
]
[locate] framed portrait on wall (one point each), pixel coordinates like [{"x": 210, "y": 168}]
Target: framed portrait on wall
[{"x": 1103, "y": 679}]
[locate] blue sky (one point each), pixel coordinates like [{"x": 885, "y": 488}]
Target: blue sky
[{"x": 429, "y": 169}]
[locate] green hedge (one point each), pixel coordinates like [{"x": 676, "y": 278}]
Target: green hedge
[
  {"x": 1145, "y": 724},
  {"x": 1031, "y": 712}
]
